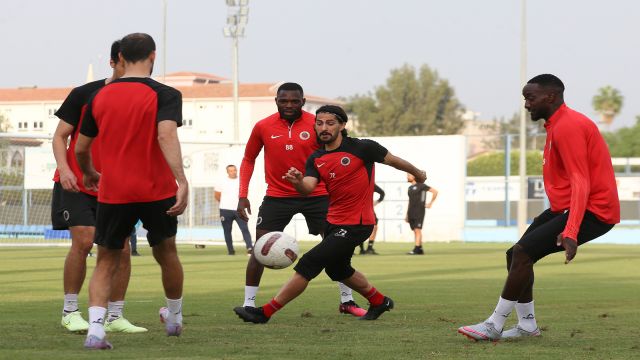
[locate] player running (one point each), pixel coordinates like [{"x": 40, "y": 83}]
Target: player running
[
  {"x": 346, "y": 166},
  {"x": 581, "y": 186},
  {"x": 288, "y": 139},
  {"x": 73, "y": 207}
]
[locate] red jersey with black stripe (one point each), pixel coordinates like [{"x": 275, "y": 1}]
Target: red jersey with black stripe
[
  {"x": 124, "y": 116},
  {"x": 349, "y": 175},
  {"x": 577, "y": 170},
  {"x": 71, "y": 112},
  {"x": 285, "y": 145}
]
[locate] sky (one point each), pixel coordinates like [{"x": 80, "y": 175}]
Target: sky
[{"x": 343, "y": 47}]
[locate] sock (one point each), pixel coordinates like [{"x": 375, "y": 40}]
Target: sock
[
  {"x": 502, "y": 311},
  {"x": 96, "y": 321},
  {"x": 346, "y": 294},
  {"x": 526, "y": 316},
  {"x": 175, "y": 311},
  {"x": 370, "y": 246},
  {"x": 250, "y": 293},
  {"x": 271, "y": 307},
  {"x": 114, "y": 310},
  {"x": 375, "y": 298},
  {"x": 70, "y": 303}
]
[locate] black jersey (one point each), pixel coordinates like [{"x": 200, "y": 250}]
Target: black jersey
[{"x": 417, "y": 197}]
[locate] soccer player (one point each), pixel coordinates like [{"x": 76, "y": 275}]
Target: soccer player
[
  {"x": 346, "y": 166},
  {"x": 372, "y": 238},
  {"x": 73, "y": 207},
  {"x": 227, "y": 195},
  {"x": 415, "y": 211},
  {"x": 287, "y": 138},
  {"x": 135, "y": 120},
  {"x": 580, "y": 183}
]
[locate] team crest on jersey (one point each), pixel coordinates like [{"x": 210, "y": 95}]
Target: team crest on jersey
[
  {"x": 66, "y": 215},
  {"x": 305, "y": 135},
  {"x": 259, "y": 220},
  {"x": 345, "y": 161}
]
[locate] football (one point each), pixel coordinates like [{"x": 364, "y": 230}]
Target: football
[{"x": 276, "y": 250}]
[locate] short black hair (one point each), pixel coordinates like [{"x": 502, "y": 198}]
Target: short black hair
[
  {"x": 548, "y": 81},
  {"x": 289, "y": 86},
  {"x": 228, "y": 166},
  {"x": 137, "y": 46},
  {"x": 115, "y": 49}
]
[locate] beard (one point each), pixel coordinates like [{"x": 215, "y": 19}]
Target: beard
[
  {"x": 291, "y": 117},
  {"x": 328, "y": 140}
]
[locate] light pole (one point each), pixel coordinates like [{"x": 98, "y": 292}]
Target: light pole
[
  {"x": 522, "y": 171},
  {"x": 237, "y": 19}
]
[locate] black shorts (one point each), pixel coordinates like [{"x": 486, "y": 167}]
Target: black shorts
[
  {"x": 415, "y": 220},
  {"x": 275, "y": 212},
  {"x": 72, "y": 209},
  {"x": 334, "y": 252},
  {"x": 115, "y": 221},
  {"x": 540, "y": 238}
]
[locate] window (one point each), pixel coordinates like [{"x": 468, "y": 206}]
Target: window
[
  {"x": 38, "y": 125},
  {"x": 187, "y": 123},
  {"x": 52, "y": 112}
]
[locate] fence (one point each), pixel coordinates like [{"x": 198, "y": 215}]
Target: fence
[{"x": 489, "y": 201}]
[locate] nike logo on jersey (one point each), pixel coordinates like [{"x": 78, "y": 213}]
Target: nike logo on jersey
[
  {"x": 320, "y": 165},
  {"x": 275, "y": 136}
]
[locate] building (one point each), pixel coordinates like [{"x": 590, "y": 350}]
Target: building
[{"x": 207, "y": 107}]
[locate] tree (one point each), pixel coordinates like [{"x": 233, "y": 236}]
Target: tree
[
  {"x": 608, "y": 103},
  {"x": 534, "y": 131},
  {"x": 5, "y": 125},
  {"x": 625, "y": 142},
  {"x": 409, "y": 104}
]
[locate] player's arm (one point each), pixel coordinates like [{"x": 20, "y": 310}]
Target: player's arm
[
  {"x": 68, "y": 179},
  {"x": 380, "y": 192},
  {"x": 88, "y": 131},
  {"x": 251, "y": 151},
  {"x": 434, "y": 195},
  {"x": 303, "y": 184},
  {"x": 404, "y": 165},
  {"x": 170, "y": 146},
  {"x": 574, "y": 151},
  {"x": 217, "y": 195}
]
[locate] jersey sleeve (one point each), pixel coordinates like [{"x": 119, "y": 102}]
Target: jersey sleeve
[
  {"x": 310, "y": 167},
  {"x": 170, "y": 105},
  {"x": 89, "y": 126},
  {"x": 373, "y": 151},
  {"x": 71, "y": 108},
  {"x": 251, "y": 151},
  {"x": 574, "y": 152}
]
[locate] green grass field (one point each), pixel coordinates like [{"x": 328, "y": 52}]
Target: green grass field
[{"x": 589, "y": 309}]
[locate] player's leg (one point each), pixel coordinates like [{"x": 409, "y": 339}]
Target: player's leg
[
  {"x": 226, "y": 217},
  {"x": 416, "y": 226},
  {"x": 113, "y": 226},
  {"x": 161, "y": 235},
  {"x": 133, "y": 241},
  {"x": 115, "y": 321},
  {"x": 246, "y": 235},
  {"x": 372, "y": 238},
  {"x": 339, "y": 268},
  {"x": 274, "y": 215}
]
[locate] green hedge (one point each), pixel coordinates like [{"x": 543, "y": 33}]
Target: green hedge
[{"x": 492, "y": 164}]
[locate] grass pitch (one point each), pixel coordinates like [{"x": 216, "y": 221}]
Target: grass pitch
[{"x": 589, "y": 309}]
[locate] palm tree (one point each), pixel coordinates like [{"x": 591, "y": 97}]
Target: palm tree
[{"x": 608, "y": 103}]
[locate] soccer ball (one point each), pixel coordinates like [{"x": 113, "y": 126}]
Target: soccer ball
[{"x": 276, "y": 250}]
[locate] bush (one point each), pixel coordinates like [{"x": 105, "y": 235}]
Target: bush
[{"x": 492, "y": 164}]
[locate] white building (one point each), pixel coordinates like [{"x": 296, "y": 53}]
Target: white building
[{"x": 207, "y": 107}]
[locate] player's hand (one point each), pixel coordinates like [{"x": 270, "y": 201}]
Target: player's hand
[
  {"x": 421, "y": 177},
  {"x": 69, "y": 181},
  {"x": 570, "y": 247},
  {"x": 91, "y": 180},
  {"x": 244, "y": 207},
  {"x": 182, "y": 200},
  {"x": 427, "y": 205},
  {"x": 294, "y": 176}
]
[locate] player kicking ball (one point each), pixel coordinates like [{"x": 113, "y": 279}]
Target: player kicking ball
[
  {"x": 346, "y": 166},
  {"x": 581, "y": 186}
]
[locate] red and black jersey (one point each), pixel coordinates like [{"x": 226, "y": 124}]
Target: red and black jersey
[
  {"x": 124, "y": 116},
  {"x": 577, "y": 170},
  {"x": 285, "y": 145},
  {"x": 71, "y": 112},
  {"x": 348, "y": 173}
]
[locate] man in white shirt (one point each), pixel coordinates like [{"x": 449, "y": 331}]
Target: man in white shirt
[{"x": 227, "y": 195}]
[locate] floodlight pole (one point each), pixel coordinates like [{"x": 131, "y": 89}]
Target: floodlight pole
[
  {"x": 522, "y": 203},
  {"x": 236, "y": 21},
  {"x": 236, "y": 100},
  {"x": 164, "y": 40}
]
